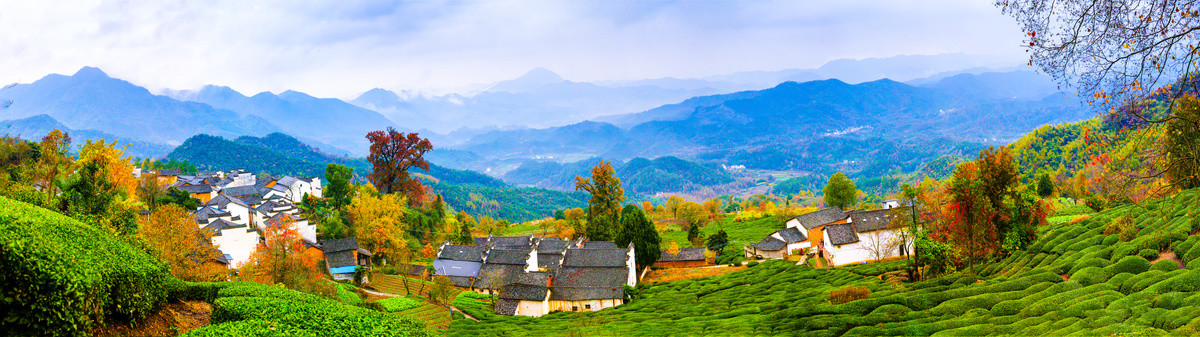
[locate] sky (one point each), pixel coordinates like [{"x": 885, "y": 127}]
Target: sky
[{"x": 343, "y": 48}]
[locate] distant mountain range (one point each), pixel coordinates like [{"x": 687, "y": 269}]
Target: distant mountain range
[{"x": 36, "y": 127}]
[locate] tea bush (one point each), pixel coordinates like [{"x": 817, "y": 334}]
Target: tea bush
[{"x": 63, "y": 277}]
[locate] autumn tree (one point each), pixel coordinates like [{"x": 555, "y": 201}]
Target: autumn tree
[
  {"x": 605, "y": 205},
  {"x": 637, "y": 229},
  {"x": 428, "y": 252},
  {"x": 693, "y": 213},
  {"x": 282, "y": 258},
  {"x": 840, "y": 192},
  {"x": 172, "y": 234},
  {"x": 150, "y": 192},
  {"x": 338, "y": 190},
  {"x": 647, "y": 207},
  {"x": 673, "y": 248},
  {"x": 971, "y": 219},
  {"x": 392, "y": 154},
  {"x": 576, "y": 218},
  {"x": 1182, "y": 144},
  {"x": 54, "y": 163},
  {"x": 672, "y": 205},
  {"x": 378, "y": 223},
  {"x": 117, "y": 167}
]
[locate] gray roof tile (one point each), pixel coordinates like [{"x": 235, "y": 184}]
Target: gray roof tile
[
  {"x": 792, "y": 235},
  {"x": 821, "y": 217},
  {"x": 769, "y": 243},
  {"x": 462, "y": 253},
  {"x": 685, "y": 254},
  {"x": 595, "y": 258},
  {"x": 867, "y": 221},
  {"x": 841, "y": 234}
]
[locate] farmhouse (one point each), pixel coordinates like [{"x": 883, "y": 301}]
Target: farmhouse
[
  {"x": 811, "y": 224},
  {"x": 868, "y": 236},
  {"x": 779, "y": 244},
  {"x": 687, "y": 257},
  {"x": 534, "y": 276},
  {"x": 343, "y": 256}
]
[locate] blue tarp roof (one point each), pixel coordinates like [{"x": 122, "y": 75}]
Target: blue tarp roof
[
  {"x": 342, "y": 270},
  {"x": 456, "y": 268}
]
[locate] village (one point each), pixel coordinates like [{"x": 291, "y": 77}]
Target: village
[{"x": 528, "y": 275}]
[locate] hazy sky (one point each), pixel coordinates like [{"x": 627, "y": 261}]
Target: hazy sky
[{"x": 342, "y": 48}]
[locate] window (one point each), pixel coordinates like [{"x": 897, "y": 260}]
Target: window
[
  {"x": 574, "y": 308},
  {"x": 587, "y": 306}
]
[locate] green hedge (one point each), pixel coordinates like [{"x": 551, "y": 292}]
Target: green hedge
[
  {"x": 396, "y": 304},
  {"x": 63, "y": 277},
  {"x": 251, "y": 309}
]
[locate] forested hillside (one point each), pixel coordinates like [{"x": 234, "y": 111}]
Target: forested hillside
[{"x": 638, "y": 175}]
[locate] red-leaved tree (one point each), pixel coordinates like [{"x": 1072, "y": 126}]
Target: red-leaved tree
[{"x": 392, "y": 154}]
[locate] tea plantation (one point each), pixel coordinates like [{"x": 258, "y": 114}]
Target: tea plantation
[{"x": 1076, "y": 279}]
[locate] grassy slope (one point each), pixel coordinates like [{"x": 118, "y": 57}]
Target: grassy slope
[{"x": 1109, "y": 291}]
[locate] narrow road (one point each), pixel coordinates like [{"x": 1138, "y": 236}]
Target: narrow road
[{"x": 376, "y": 293}]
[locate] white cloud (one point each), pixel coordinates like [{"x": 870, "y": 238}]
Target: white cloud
[{"x": 341, "y": 48}]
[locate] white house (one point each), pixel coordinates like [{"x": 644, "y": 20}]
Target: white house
[
  {"x": 867, "y": 236},
  {"x": 238, "y": 209},
  {"x": 297, "y": 188},
  {"x": 237, "y": 241}
]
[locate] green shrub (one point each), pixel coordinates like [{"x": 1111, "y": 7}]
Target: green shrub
[
  {"x": 751, "y": 263},
  {"x": 1129, "y": 264},
  {"x": 1148, "y": 253},
  {"x": 1165, "y": 265},
  {"x": 255, "y": 310},
  {"x": 1089, "y": 276},
  {"x": 63, "y": 277},
  {"x": 396, "y": 304},
  {"x": 1091, "y": 262}
]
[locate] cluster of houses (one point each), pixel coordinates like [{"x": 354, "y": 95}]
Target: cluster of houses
[
  {"x": 236, "y": 205},
  {"x": 535, "y": 276},
  {"x": 841, "y": 238}
]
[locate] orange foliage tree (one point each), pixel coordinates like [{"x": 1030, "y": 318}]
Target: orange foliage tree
[
  {"x": 392, "y": 154},
  {"x": 185, "y": 247},
  {"x": 284, "y": 259}
]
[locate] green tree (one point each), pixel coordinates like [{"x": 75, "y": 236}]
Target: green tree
[
  {"x": 179, "y": 197},
  {"x": 717, "y": 241},
  {"x": 840, "y": 191},
  {"x": 338, "y": 189},
  {"x": 1045, "y": 187},
  {"x": 605, "y": 205},
  {"x": 464, "y": 235},
  {"x": 1181, "y": 144},
  {"x": 636, "y": 228}
]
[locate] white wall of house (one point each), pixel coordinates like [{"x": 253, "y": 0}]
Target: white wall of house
[
  {"x": 307, "y": 230},
  {"x": 239, "y": 243},
  {"x": 585, "y": 305},
  {"x": 631, "y": 264},
  {"x": 795, "y": 223},
  {"x": 531, "y": 261},
  {"x": 239, "y": 211},
  {"x": 533, "y": 308},
  {"x": 886, "y": 241}
]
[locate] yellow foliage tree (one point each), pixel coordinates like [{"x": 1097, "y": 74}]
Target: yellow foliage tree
[
  {"x": 108, "y": 156},
  {"x": 54, "y": 163},
  {"x": 378, "y": 222},
  {"x": 673, "y": 248}
]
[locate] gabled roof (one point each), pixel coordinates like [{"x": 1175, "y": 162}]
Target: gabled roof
[
  {"x": 339, "y": 245},
  {"x": 523, "y": 292},
  {"x": 685, "y": 254},
  {"x": 480, "y": 241},
  {"x": 240, "y": 191},
  {"x": 841, "y": 234},
  {"x": 497, "y": 275},
  {"x": 792, "y": 235},
  {"x": 287, "y": 181},
  {"x": 507, "y": 307},
  {"x": 550, "y": 261},
  {"x": 552, "y": 245},
  {"x": 196, "y": 188},
  {"x": 867, "y": 221},
  {"x": 456, "y": 268},
  {"x": 507, "y": 256},
  {"x": 769, "y": 243},
  {"x": 218, "y": 225},
  {"x": 221, "y": 201},
  {"x": 821, "y": 217},
  {"x": 340, "y": 259},
  {"x": 595, "y": 258},
  {"x": 462, "y": 253},
  {"x": 576, "y": 284}
]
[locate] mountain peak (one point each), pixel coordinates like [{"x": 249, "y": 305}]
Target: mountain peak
[
  {"x": 533, "y": 80},
  {"x": 540, "y": 75},
  {"x": 90, "y": 72}
]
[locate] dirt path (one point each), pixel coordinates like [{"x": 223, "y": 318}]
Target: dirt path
[
  {"x": 1169, "y": 255},
  {"x": 172, "y": 319}
]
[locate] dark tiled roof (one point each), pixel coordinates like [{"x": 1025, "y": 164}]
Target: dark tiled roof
[
  {"x": 867, "y": 221},
  {"x": 685, "y": 254},
  {"x": 523, "y": 292},
  {"x": 460, "y": 281},
  {"x": 595, "y": 258},
  {"x": 507, "y": 307},
  {"x": 456, "y": 268},
  {"x": 599, "y": 245},
  {"x": 340, "y": 259},
  {"x": 534, "y": 278},
  {"x": 196, "y": 188},
  {"x": 250, "y": 200},
  {"x": 821, "y": 217},
  {"x": 549, "y": 261},
  {"x": 512, "y": 241},
  {"x": 507, "y": 256},
  {"x": 221, "y": 258},
  {"x": 841, "y": 234},
  {"x": 792, "y": 235},
  {"x": 240, "y": 191},
  {"x": 223, "y": 200},
  {"x": 574, "y": 284},
  {"x": 216, "y": 226},
  {"x": 552, "y": 245},
  {"x": 286, "y": 181},
  {"x": 497, "y": 275},
  {"x": 769, "y": 243},
  {"x": 462, "y": 253},
  {"x": 339, "y": 245}
]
